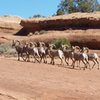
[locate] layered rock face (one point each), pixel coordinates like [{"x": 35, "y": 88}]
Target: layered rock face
[
  {"x": 10, "y": 24},
  {"x": 76, "y": 21}
]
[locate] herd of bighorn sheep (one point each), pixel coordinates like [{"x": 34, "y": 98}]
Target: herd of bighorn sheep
[{"x": 41, "y": 51}]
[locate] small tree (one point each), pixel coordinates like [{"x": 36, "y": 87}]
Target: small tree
[
  {"x": 61, "y": 41},
  {"x": 37, "y": 16},
  {"x": 70, "y": 6}
]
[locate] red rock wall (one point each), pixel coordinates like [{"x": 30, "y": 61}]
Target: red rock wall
[{"x": 76, "y": 21}]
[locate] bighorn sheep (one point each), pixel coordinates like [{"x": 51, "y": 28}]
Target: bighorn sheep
[
  {"x": 19, "y": 48},
  {"x": 67, "y": 53},
  {"x": 42, "y": 52},
  {"x": 31, "y": 50},
  {"x": 79, "y": 56},
  {"x": 55, "y": 53},
  {"x": 92, "y": 57}
]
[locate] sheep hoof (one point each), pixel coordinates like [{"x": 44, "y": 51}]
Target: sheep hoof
[
  {"x": 18, "y": 59},
  {"x": 80, "y": 68},
  {"x": 83, "y": 68},
  {"x": 46, "y": 62},
  {"x": 73, "y": 67}
]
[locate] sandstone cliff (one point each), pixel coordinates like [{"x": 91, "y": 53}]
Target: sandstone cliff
[
  {"x": 73, "y": 21},
  {"x": 10, "y": 24},
  {"x": 80, "y": 28}
]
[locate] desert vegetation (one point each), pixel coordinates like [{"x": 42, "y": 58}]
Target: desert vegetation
[{"x": 7, "y": 50}]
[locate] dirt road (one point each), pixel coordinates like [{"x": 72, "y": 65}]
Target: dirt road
[{"x": 33, "y": 81}]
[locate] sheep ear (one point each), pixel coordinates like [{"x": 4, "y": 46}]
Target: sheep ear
[
  {"x": 13, "y": 41},
  {"x": 17, "y": 41}
]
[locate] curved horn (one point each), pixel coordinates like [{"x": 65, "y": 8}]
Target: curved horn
[
  {"x": 13, "y": 43},
  {"x": 87, "y": 49},
  {"x": 77, "y": 47},
  {"x": 17, "y": 41}
]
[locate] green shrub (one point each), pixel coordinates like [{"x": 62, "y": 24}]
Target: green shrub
[
  {"x": 6, "y": 49},
  {"x": 3, "y": 48},
  {"x": 10, "y": 52},
  {"x": 61, "y": 41}
]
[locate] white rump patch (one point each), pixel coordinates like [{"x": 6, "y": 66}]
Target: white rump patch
[
  {"x": 36, "y": 51},
  {"x": 42, "y": 50},
  {"x": 85, "y": 55},
  {"x": 61, "y": 54},
  {"x": 95, "y": 55}
]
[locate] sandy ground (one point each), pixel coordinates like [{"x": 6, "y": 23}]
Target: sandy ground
[{"x": 33, "y": 81}]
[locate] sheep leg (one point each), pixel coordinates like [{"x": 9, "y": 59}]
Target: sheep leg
[
  {"x": 73, "y": 63},
  {"x": 45, "y": 59},
  {"x": 35, "y": 59},
  {"x": 18, "y": 57},
  {"x": 61, "y": 62},
  {"x": 53, "y": 61},
  {"x": 24, "y": 58},
  {"x": 84, "y": 64},
  {"x": 88, "y": 63},
  {"x": 66, "y": 61},
  {"x": 93, "y": 64},
  {"x": 28, "y": 58},
  {"x": 97, "y": 63},
  {"x": 79, "y": 64},
  {"x": 41, "y": 58}
]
